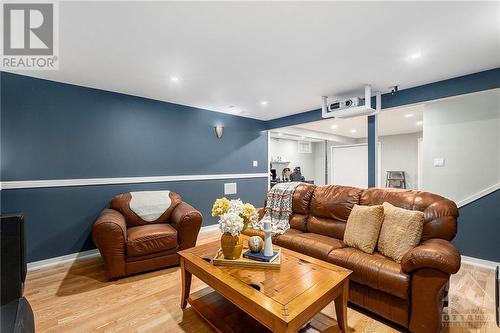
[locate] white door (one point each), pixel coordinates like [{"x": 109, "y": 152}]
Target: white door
[{"x": 350, "y": 165}]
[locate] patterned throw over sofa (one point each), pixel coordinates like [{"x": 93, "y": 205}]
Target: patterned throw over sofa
[{"x": 411, "y": 293}]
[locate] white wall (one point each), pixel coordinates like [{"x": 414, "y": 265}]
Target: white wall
[
  {"x": 319, "y": 163},
  {"x": 465, "y": 131},
  {"x": 400, "y": 153},
  {"x": 288, "y": 150}
]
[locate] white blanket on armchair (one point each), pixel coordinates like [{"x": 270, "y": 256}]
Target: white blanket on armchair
[{"x": 150, "y": 205}]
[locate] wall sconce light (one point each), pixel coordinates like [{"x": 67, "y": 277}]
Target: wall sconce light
[{"x": 219, "y": 130}]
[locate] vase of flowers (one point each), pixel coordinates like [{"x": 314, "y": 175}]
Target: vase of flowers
[{"x": 234, "y": 217}]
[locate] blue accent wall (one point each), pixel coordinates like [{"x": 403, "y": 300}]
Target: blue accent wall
[
  {"x": 53, "y": 130},
  {"x": 479, "y": 228}
]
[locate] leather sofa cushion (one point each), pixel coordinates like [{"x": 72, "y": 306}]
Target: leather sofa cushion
[
  {"x": 147, "y": 239},
  {"x": 298, "y": 221},
  {"x": 373, "y": 270},
  {"x": 121, "y": 203},
  {"x": 314, "y": 245},
  {"x": 326, "y": 227},
  {"x": 302, "y": 198},
  {"x": 334, "y": 201},
  {"x": 440, "y": 214}
]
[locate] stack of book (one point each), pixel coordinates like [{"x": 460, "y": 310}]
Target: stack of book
[{"x": 259, "y": 256}]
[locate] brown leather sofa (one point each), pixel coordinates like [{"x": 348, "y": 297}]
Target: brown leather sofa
[
  {"x": 410, "y": 294},
  {"x": 130, "y": 245}
]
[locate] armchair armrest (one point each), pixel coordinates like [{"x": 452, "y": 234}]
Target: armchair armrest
[
  {"x": 110, "y": 236},
  {"x": 434, "y": 253},
  {"x": 187, "y": 221}
]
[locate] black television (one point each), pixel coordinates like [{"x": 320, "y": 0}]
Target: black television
[{"x": 13, "y": 257}]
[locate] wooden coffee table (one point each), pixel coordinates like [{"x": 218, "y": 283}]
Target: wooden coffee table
[{"x": 260, "y": 300}]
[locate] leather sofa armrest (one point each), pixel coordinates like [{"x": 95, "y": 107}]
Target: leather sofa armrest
[
  {"x": 434, "y": 253},
  {"x": 187, "y": 221},
  {"x": 110, "y": 236}
]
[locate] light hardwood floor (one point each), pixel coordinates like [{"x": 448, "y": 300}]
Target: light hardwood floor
[{"x": 76, "y": 297}]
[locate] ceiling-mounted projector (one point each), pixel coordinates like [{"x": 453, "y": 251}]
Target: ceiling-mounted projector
[
  {"x": 349, "y": 107},
  {"x": 347, "y": 103}
]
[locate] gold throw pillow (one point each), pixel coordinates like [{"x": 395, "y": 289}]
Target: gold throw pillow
[
  {"x": 363, "y": 227},
  {"x": 401, "y": 231}
]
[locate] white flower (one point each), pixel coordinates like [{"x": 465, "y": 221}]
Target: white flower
[
  {"x": 231, "y": 222},
  {"x": 235, "y": 206}
]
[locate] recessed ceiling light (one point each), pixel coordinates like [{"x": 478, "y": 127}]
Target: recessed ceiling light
[
  {"x": 420, "y": 123},
  {"x": 409, "y": 115},
  {"x": 353, "y": 131},
  {"x": 302, "y": 137},
  {"x": 416, "y": 55},
  {"x": 280, "y": 134},
  {"x": 174, "y": 79},
  {"x": 264, "y": 103},
  {"x": 334, "y": 126}
]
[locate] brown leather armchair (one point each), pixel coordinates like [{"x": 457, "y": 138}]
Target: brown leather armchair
[{"x": 130, "y": 245}]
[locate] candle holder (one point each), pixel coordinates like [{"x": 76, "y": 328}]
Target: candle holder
[{"x": 268, "y": 244}]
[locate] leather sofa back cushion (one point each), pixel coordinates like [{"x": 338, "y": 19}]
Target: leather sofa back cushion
[
  {"x": 298, "y": 221},
  {"x": 302, "y": 198},
  {"x": 440, "y": 214},
  {"x": 401, "y": 231},
  {"x": 326, "y": 227},
  {"x": 121, "y": 203},
  {"x": 363, "y": 227},
  {"x": 334, "y": 202}
]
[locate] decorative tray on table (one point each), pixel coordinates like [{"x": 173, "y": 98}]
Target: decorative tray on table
[{"x": 219, "y": 260}]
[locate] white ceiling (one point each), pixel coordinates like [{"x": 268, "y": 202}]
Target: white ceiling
[
  {"x": 394, "y": 121},
  {"x": 285, "y": 53}
]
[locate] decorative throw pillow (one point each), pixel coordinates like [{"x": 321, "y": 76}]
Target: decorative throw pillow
[
  {"x": 363, "y": 227},
  {"x": 401, "y": 231}
]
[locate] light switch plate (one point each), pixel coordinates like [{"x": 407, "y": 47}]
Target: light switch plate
[
  {"x": 255, "y": 163},
  {"x": 439, "y": 162},
  {"x": 230, "y": 188}
]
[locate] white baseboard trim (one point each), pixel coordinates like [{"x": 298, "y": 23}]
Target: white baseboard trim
[
  {"x": 478, "y": 195},
  {"x": 480, "y": 262},
  {"x": 86, "y": 254},
  {"x": 62, "y": 259},
  {"x": 7, "y": 185}
]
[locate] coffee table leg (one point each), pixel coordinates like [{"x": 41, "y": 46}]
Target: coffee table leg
[
  {"x": 341, "y": 307},
  {"x": 186, "y": 284}
]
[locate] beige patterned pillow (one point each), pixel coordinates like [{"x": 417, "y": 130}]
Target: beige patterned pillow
[
  {"x": 363, "y": 227},
  {"x": 401, "y": 231}
]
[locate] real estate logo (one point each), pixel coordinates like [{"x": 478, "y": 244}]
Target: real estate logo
[{"x": 30, "y": 38}]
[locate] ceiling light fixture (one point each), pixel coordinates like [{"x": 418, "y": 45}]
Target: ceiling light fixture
[
  {"x": 409, "y": 115},
  {"x": 280, "y": 134},
  {"x": 174, "y": 79},
  {"x": 416, "y": 55},
  {"x": 302, "y": 137},
  {"x": 353, "y": 130},
  {"x": 334, "y": 126},
  {"x": 264, "y": 103},
  {"x": 219, "y": 131},
  {"x": 420, "y": 123}
]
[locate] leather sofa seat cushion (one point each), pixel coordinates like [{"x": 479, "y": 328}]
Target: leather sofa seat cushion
[
  {"x": 147, "y": 239},
  {"x": 334, "y": 202},
  {"x": 373, "y": 270},
  {"x": 314, "y": 245}
]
